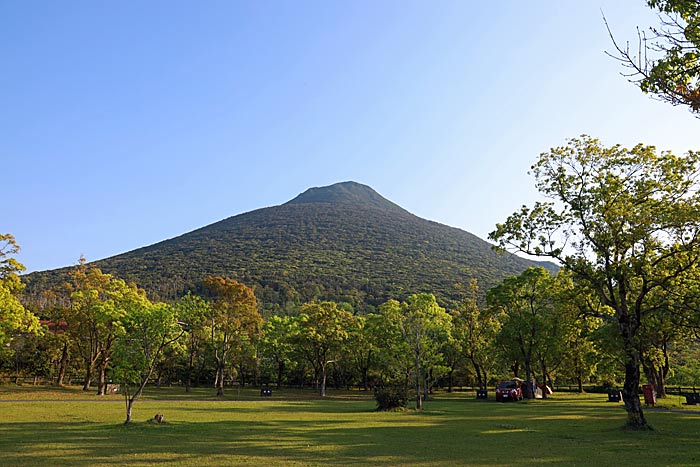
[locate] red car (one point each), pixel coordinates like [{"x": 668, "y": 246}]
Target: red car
[{"x": 509, "y": 391}]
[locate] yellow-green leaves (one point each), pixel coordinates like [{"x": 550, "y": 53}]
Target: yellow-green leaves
[{"x": 14, "y": 317}]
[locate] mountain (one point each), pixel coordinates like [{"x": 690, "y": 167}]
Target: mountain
[{"x": 341, "y": 242}]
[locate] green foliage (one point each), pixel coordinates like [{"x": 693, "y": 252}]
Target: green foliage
[
  {"x": 14, "y": 318},
  {"x": 625, "y": 222},
  {"x": 417, "y": 331},
  {"x": 99, "y": 306},
  {"x": 667, "y": 64},
  {"x": 149, "y": 328},
  {"x": 528, "y": 304},
  {"x": 474, "y": 333},
  {"x": 277, "y": 345},
  {"x": 391, "y": 397},
  {"x": 234, "y": 323},
  {"x": 323, "y": 329},
  {"x": 193, "y": 312}
]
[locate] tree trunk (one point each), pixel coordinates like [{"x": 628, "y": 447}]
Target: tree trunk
[
  {"x": 88, "y": 376},
  {"x": 544, "y": 378},
  {"x": 190, "y": 371},
  {"x": 323, "y": 382},
  {"x": 515, "y": 367},
  {"x": 479, "y": 376},
  {"x": 449, "y": 379},
  {"x": 62, "y": 365},
  {"x": 220, "y": 381},
  {"x": 102, "y": 380},
  {"x": 241, "y": 376},
  {"x": 129, "y": 405},
  {"x": 630, "y": 394},
  {"x": 528, "y": 393},
  {"x": 280, "y": 372},
  {"x": 419, "y": 393}
]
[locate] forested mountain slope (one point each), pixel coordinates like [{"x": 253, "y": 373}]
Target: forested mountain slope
[{"x": 343, "y": 242}]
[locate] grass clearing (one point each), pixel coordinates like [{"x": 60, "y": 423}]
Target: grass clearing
[{"x": 45, "y": 427}]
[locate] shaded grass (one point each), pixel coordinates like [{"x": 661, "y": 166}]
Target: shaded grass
[{"x": 454, "y": 429}]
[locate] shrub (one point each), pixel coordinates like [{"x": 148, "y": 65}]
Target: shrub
[{"x": 391, "y": 397}]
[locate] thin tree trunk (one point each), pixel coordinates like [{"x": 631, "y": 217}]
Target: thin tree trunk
[
  {"x": 280, "y": 371},
  {"x": 88, "y": 376},
  {"x": 323, "y": 381},
  {"x": 544, "y": 379},
  {"x": 102, "y": 380},
  {"x": 419, "y": 393},
  {"x": 129, "y": 405},
  {"x": 528, "y": 381},
  {"x": 220, "y": 381},
  {"x": 479, "y": 378},
  {"x": 63, "y": 365}
]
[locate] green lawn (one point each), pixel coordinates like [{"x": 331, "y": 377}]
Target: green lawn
[{"x": 44, "y": 426}]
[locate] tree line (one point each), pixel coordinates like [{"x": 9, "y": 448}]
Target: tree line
[{"x": 536, "y": 326}]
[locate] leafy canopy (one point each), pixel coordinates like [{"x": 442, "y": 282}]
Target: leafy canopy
[{"x": 667, "y": 64}]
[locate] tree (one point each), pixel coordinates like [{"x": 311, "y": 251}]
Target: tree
[
  {"x": 14, "y": 318},
  {"x": 475, "y": 330},
  {"x": 625, "y": 222},
  {"x": 193, "y": 311},
  {"x": 323, "y": 329},
  {"x": 362, "y": 349},
  {"x": 277, "y": 343},
  {"x": 667, "y": 62},
  {"x": 54, "y": 306},
  {"x": 234, "y": 320},
  {"x": 99, "y": 303},
  {"x": 580, "y": 354},
  {"x": 424, "y": 326},
  {"x": 392, "y": 357},
  {"x": 149, "y": 329},
  {"x": 528, "y": 303}
]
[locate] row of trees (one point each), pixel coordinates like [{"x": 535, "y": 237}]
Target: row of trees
[{"x": 531, "y": 326}]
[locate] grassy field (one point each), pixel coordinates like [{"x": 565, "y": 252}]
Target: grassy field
[{"x": 50, "y": 427}]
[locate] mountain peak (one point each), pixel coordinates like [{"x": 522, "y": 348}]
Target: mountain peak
[{"x": 345, "y": 193}]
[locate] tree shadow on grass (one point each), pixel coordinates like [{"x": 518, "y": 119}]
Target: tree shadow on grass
[{"x": 344, "y": 435}]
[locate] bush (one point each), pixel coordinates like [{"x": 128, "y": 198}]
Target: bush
[{"x": 391, "y": 397}]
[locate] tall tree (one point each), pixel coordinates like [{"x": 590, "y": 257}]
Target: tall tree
[
  {"x": 323, "y": 329},
  {"x": 193, "y": 312},
  {"x": 99, "y": 302},
  {"x": 527, "y": 301},
  {"x": 475, "y": 329},
  {"x": 14, "y": 318},
  {"x": 625, "y": 222},
  {"x": 234, "y": 319},
  {"x": 362, "y": 349},
  {"x": 279, "y": 334},
  {"x": 666, "y": 63},
  {"x": 149, "y": 329},
  {"x": 424, "y": 327},
  {"x": 54, "y": 306}
]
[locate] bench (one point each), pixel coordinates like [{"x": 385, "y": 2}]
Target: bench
[{"x": 692, "y": 398}]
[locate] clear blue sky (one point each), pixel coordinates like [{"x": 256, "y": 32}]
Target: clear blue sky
[{"x": 126, "y": 123}]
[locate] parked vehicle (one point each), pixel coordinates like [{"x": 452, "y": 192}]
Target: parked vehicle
[{"x": 509, "y": 391}]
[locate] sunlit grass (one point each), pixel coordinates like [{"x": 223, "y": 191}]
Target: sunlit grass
[{"x": 297, "y": 428}]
